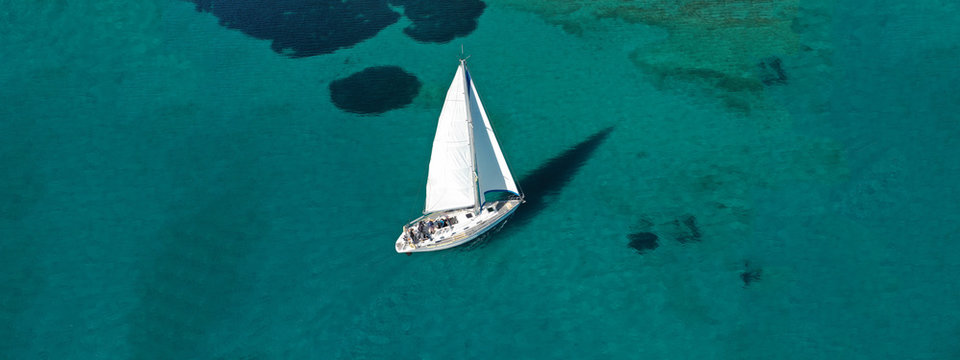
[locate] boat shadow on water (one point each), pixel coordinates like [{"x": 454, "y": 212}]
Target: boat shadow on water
[{"x": 546, "y": 181}]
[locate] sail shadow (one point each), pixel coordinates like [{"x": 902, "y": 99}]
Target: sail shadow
[{"x": 547, "y": 181}]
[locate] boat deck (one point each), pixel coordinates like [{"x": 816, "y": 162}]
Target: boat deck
[{"x": 468, "y": 226}]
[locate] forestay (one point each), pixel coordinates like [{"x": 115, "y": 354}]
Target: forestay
[{"x": 492, "y": 170}]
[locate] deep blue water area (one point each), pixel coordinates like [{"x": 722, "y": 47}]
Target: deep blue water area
[
  {"x": 301, "y": 28},
  {"x": 716, "y": 180},
  {"x": 374, "y": 90}
]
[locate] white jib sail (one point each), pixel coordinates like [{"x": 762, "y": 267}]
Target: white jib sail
[
  {"x": 492, "y": 168},
  {"x": 450, "y": 182}
]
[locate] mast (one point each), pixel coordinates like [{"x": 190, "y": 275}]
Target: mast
[{"x": 473, "y": 150}]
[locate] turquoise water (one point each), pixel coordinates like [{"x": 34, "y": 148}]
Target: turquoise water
[{"x": 172, "y": 188}]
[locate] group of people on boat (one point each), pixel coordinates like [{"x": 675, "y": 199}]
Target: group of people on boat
[{"x": 425, "y": 229}]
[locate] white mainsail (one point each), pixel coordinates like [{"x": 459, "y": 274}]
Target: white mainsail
[
  {"x": 492, "y": 169},
  {"x": 451, "y": 181}
]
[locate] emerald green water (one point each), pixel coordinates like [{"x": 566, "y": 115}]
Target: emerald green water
[{"x": 172, "y": 188}]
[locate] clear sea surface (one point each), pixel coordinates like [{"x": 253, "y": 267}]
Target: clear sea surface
[{"x": 705, "y": 180}]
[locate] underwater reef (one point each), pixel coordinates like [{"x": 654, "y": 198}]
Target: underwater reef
[
  {"x": 301, "y": 28},
  {"x": 440, "y": 21},
  {"x": 375, "y": 90},
  {"x": 643, "y": 242},
  {"x": 750, "y": 274},
  {"x": 771, "y": 71}
]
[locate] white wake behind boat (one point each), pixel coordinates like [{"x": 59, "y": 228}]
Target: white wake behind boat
[{"x": 469, "y": 187}]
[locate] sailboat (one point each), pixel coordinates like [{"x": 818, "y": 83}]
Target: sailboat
[{"x": 470, "y": 189}]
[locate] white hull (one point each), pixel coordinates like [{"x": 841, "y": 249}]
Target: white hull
[{"x": 463, "y": 231}]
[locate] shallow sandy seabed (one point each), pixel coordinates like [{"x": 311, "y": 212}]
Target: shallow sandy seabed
[{"x": 719, "y": 45}]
